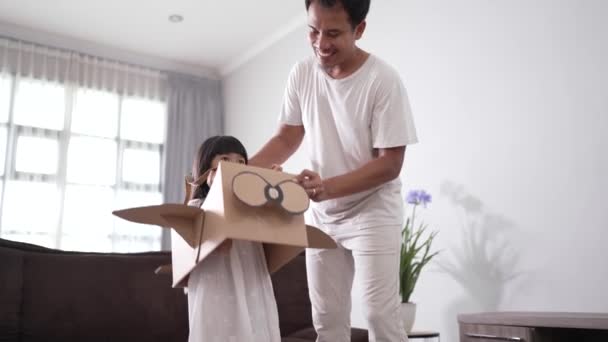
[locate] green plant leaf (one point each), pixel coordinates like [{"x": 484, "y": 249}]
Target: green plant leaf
[{"x": 415, "y": 254}]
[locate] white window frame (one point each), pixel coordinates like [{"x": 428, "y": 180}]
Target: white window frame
[{"x": 14, "y": 131}]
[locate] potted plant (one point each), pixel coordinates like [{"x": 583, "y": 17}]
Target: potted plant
[{"x": 415, "y": 254}]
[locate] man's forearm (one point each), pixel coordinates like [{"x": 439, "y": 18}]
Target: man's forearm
[
  {"x": 280, "y": 147},
  {"x": 275, "y": 151},
  {"x": 369, "y": 176}
]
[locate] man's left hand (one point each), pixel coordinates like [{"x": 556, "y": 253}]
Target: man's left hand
[{"x": 313, "y": 184}]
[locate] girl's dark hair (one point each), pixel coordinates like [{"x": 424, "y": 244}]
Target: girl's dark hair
[
  {"x": 356, "y": 9},
  {"x": 219, "y": 144}
]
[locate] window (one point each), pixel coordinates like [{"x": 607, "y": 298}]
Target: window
[
  {"x": 37, "y": 155},
  {"x": 2, "y": 148},
  {"x": 39, "y": 104},
  {"x": 5, "y": 95},
  {"x": 69, "y": 156}
]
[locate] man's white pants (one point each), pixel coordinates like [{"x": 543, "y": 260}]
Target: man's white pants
[{"x": 370, "y": 257}]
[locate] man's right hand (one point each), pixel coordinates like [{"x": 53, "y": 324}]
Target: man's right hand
[{"x": 313, "y": 184}]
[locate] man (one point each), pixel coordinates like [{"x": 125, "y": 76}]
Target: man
[{"x": 351, "y": 109}]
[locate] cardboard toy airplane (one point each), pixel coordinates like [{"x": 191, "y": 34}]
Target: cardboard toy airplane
[{"x": 244, "y": 202}]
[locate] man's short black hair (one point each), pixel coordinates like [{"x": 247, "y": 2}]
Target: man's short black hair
[{"x": 356, "y": 9}]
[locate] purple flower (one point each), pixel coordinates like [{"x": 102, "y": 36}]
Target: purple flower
[
  {"x": 425, "y": 198},
  {"x": 416, "y": 197},
  {"x": 413, "y": 197}
]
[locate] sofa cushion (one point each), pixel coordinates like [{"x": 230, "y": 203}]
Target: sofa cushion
[
  {"x": 51, "y": 295},
  {"x": 291, "y": 292},
  {"x": 70, "y": 296},
  {"x": 11, "y": 282}
]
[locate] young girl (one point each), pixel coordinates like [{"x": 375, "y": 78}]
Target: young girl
[{"x": 230, "y": 295}]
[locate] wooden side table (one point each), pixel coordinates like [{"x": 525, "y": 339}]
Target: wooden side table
[{"x": 534, "y": 327}]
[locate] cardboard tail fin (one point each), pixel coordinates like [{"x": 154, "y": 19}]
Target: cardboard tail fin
[
  {"x": 279, "y": 255},
  {"x": 318, "y": 239}
]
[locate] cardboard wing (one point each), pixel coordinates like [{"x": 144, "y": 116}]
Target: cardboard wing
[{"x": 245, "y": 203}]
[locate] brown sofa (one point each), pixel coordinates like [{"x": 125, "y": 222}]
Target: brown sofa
[{"x": 50, "y": 295}]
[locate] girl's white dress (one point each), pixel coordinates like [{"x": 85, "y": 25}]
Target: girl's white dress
[{"x": 230, "y": 296}]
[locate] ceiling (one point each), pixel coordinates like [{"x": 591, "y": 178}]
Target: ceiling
[{"x": 217, "y": 35}]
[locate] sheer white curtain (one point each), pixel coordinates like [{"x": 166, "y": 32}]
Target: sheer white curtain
[
  {"x": 195, "y": 113},
  {"x": 79, "y": 137},
  {"x": 68, "y": 67}
]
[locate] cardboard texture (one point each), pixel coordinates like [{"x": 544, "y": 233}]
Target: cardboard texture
[{"x": 244, "y": 202}]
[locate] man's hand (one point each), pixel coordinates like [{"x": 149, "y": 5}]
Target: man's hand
[
  {"x": 384, "y": 168},
  {"x": 313, "y": 184}
]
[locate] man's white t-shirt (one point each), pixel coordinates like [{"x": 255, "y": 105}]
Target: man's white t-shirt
[{"x": 344, "y": 121}]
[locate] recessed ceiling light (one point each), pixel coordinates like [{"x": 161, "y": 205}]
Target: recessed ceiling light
[{"x": 176, "y": 18}]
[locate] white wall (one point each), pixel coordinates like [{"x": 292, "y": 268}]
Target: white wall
[
  {"x": 253, "y": 94},
  {"x": 511, "y": 104}
]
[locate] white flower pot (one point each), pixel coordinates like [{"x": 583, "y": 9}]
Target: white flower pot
[{"x": 408, "y": 315}]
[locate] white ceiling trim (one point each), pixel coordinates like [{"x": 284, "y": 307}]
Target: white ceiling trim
[
  {"x": 105, "y": 51},
  {"x": 265, "y": 43}
]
